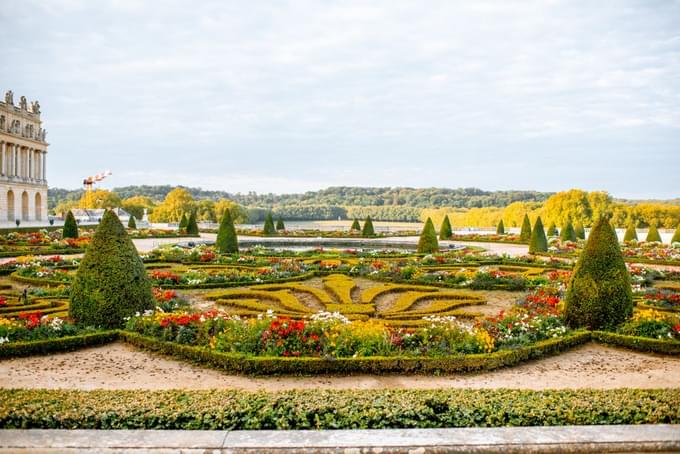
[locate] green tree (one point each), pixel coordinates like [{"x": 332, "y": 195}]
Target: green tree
[
  {"x": 567, "y": 233},
  {"x": 99, "y": 198},
  {"x": 580, "y": 231},
  {"x": 355, "y": 225},
  {"x": 631, "y": 233},
  {"x": 599, "y": 295},
  {"x": 445, "y": 230},
  {"x": 178, "y": 202},
  {"x": 676, "y": 235},
  {"x": 525, "y": 233},
  {"x": 183, "y": 223},
  {"x": 368, "y": 228},
  {"x": 238, "y": 213},
  {"x": 500, "y": 228},
  {"x": 192, "y": 225},
  {"x": 111, "y": 282},
  {"x": 552, "y": 230},
  {"x": 131, "y": 223},
  {"x": 70, "y": 226},
  {"x": 269, "y": 228},
  {"x": 136, "y": 205},
  {"x": 653, "y": 234},
  {"x": 279, "y": 224},
  {"x": 539, "y": 242},
  {"x": 568, "y": 205},
  {"x": 427, "y": 243},
  {"x": 227, "y": 241}
]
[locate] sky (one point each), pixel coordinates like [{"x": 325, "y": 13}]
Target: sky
[{"x": 290, "y": 96}]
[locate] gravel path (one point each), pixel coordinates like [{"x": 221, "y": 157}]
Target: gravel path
[{"x": 120, "y": 366}]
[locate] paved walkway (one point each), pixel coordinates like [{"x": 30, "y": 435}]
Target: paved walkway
[{"x": 505, "y": 440}]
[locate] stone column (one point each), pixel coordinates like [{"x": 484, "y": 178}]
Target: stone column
[
  {"x": 15, "y": 162},
  {"x": 30, "y": 163},
  {"x": 44, "y": 165},
  {"x": 3, "y": 158}
]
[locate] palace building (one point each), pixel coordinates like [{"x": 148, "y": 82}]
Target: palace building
[{"x": 23, "y": 162}]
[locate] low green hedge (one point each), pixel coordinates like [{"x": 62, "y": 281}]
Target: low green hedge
[
  {"x": 45, "y": 251},
  {"x": 41, "y": 347},
  {"x": 242, "y": 364},
  {"x": 302, "y": 277},
  {"x": 644, "y": 344},
  {"x": 36, "y": 281},
  {"x": 332, "y": 409}
]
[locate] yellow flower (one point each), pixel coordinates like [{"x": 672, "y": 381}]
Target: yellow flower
[{"x": 485, "y": 340}]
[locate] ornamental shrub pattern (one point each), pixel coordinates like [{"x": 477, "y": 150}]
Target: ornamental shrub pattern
[
  {"x": 368, "y": 230},
  {"x": 568, "y": 233},
  {"x": 653, "y": 234},
  {"x": 500, "y": 228},
  {"x": 428, "y": 243},
  {"x": 525, "y": 233},
  {"x": 132, "y": 224},
  {"x": 445, "y": 231},
  {"x": 599, "y": 294},
  {"x": 631, "y": 233},
  {"x": 111, "y": 283},
  {"x": 70, "y": 226},
  {"x": 227, "y": 241},
  {"x": 192, "y": 225},
  {"x": 269, "y": 228},
  {"x": 539, "y": 242}
]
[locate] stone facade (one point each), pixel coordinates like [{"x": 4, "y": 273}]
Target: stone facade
[{"x": 23, "y": 161}]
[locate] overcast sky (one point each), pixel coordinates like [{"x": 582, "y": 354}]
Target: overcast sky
[{"x": 292, "y": 96}]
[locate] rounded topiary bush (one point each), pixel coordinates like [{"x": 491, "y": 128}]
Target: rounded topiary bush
[
  {"x": 132, "y": 224},
  {"x": 279, "y": 224},
  {"x": 368, "y": 227},
  {"x": 500, "y": 228},
  {"x": 568, "y": 233},
  {"x": 631, "y": 233},
  {"x": 227, "y": 241},
  {"x": 599, "y": 294},
  {"x": 428, "y": 243},
  {"x": 653, "y": 234},
  {"x": 525, "y": 232},
  {"x": 539, "y": 242},
  {"x": 70, "y": 226},
  {"x": 269, "y": 228},
  {"x": 111, "y": 283},
  {"x": 192, "y": 225},
  {"x": 445, "y": 231}
]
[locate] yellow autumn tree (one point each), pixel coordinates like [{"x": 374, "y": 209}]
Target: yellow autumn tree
[
  {"x": 178, "y": 202},
  {"x": 99, "y": 198}
]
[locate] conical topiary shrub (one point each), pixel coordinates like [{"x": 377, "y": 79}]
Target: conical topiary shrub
[
  {"x": 580, "y": 231},
  {"x": 525, "y": 233},
  {"x": 552, "y": 230},
  {"x": 676, "y": 236},
  {"x": 269, "y": 228},
  {"x": 368, "y": 228},
  {"x": 599, "y": 294},
  {"x": 445, "y": 231},
  {"x": 70, "y": 226},
  {"x": 227, "y": 241},
  {"x": 539, "y": 242},
  {"x": 631, "y": 233},
  {"x": 131, "y": 223},
  {"x": 500, "y": 228},
  {"x": 568, "y": 233},
  {"x": 428, "y": 243},
  {"x": 111, "y": 283},
  {"x": 279, "y": 224},
  {"x": 192, "y": 225},
  {"x": 355, "y": 225},
  {"x": 653, "y": 234},
  {"x": 183, "y": 222}
]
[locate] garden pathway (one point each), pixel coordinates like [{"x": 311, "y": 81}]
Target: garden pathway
[{"x": 120, "y": 366}]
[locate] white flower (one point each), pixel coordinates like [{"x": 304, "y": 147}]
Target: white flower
[{"x": 4, "y": 340}]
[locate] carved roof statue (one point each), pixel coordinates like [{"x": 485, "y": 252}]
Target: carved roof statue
[
  {"x": 35, "y": 107},
  {"x": 23, "y": 105},
  {"x": 9, "y": 97}
]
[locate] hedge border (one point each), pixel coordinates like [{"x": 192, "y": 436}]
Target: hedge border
[
  {"x": 643, "y": 344},
  {"x": 72, "y": 251},
  {"x": 36, "y": 281},
  {"x": 61, "y": 344}
]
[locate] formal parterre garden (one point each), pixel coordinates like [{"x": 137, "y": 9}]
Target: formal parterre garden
[{"x": 339, "y": 311}]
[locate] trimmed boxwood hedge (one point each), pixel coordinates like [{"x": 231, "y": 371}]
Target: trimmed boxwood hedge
[
  {"x": 332, "y": 409},
  {"x": 644, "y": 344},
  {"x": 61, "y": 344}
]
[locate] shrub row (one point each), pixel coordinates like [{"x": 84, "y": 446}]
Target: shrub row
[
  {"x": 243, "y": 364},
  {"x": 36, "y": 281},
  {"x": 644, "y": 344},
  {"x": 41, "y": 347},
  {"x": 44, "y": 251},
  {"x": 301, "y": 277},
  {"x": 332, "y": 409}
]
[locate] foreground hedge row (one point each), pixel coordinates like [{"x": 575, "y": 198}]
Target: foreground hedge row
[
  {"x": 42, "y": 347},
  {"x": 332, "y": 409}
]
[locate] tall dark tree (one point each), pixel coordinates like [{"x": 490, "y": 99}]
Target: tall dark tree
[
  {"x": 428, "y": 243},
  {"x": 70, "y": 226},
  {"x": 131, "y": 223},
  {"x": 269, "y": 228},
  {"x": 279, "y": 224},
  {"x": 111, "y": 282},
  {"x": 445, "y": 231},
  {"x": 653, "y": 234},
  {"x": 539, "y": 242},
  {"x": 552, "y": 230},
  {"x": 599, "y": 295},
  {"x": 525, "y": 232},
  {"x": 355, "y": 225},
  {"x": 500, "y": 228},
  {"x": 631, "y": 233},
  {"x": 183, "y": 223},
  {"x": 227, "y": 241},
  {"x": 192, "y": 225},
  {"x": 368, "y": 230},
  {"x": 580, "y": 231}
]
